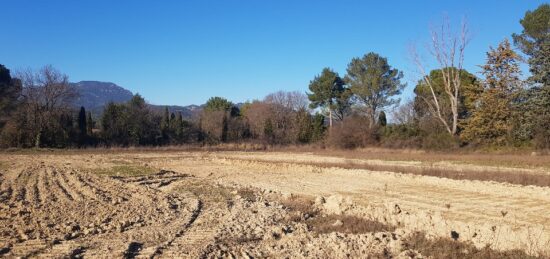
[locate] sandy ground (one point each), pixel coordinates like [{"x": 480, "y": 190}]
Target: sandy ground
[{"x": 228, "y": 204}]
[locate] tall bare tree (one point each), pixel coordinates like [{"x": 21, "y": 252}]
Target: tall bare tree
[
  {"x": 447, "y": 48},
  {"x": 47, "y": 95}
]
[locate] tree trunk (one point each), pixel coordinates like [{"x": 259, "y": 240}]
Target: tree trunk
[
  {"x": 455, "y": 121},
  {"x": 37, "y": 140},
  {"x": 448, "y": 51},
  {"x": 372, "y": 116},
  {"x": 330, "y": 118}
]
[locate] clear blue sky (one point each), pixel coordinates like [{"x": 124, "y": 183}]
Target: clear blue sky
[{"x": 183, "y": 52}]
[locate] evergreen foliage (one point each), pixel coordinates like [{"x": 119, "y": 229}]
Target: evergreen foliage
[{"x": 374, "y": 83}]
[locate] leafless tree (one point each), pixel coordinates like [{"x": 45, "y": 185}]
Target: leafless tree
[
  {"x": 294, "y": 100},
  {"x": 447, "y": 48},
  {"x": 283, "y": 108},
  {"x": 213, "y": 123},
  {"x": 257, "y": 113},
  {"x": 46, "y": 93},
  {"x": 405, "y": 113}
]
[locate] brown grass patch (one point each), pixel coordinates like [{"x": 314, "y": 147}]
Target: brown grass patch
[
  {"x": 521, "y": 159},
  {"x": 302, "y": 209},
  {"x": 247, "y": 194},
  {"x": 299, "y": 208},
  {"x": 212, "y": 193},
  {"x": 207, "y": 192},
  {"x": 448, "y": 248},
  {"x": 519, "y": 178}
]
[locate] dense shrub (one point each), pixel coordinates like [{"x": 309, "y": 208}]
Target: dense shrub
[
  {"x": 401, "y": 136},
  {"x": 352, "y": 132}
]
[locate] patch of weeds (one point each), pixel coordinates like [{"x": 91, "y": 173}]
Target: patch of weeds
[
  {"x": 125, "y": 170},
  {"x": 303, "y": 209},
  {"x": 300, "y": 208},
  {"x": 208, "y": 192},
  {"x": 247, "y": 194},
  {"x": 346, "y": 224},
  {"x": 448, "y": 248}
]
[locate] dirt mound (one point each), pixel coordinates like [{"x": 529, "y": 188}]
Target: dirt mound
[
  {"x": 336, "y": 204},
  {"x": 260, "y": 227}
]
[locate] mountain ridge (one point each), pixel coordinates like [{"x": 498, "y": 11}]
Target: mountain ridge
[{"x": 95, "y": 95}]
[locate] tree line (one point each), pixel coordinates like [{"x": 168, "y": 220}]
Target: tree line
[{"x": 451, "y": 107}]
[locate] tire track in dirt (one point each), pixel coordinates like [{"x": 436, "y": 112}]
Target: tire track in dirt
[
  {"x": 43, "y": 185},
  {"x": 34, "y": 193},
  {"x": 56, "y": 211},
  {"x": 19, "y": 186},
  {"x": 60, "y": 186},
  {"x": 195, "y": 239}
]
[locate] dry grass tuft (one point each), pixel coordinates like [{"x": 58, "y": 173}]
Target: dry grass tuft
[
  {"x": 448, "y": 248},
  {"x": 247, "y": 194},
  {"x": 300, "y": 208},
  {"x": 206, "y": 192}
]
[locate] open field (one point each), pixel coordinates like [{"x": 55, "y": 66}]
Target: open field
[{"x": 165, "y": 204}]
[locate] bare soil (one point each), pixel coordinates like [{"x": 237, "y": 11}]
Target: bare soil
[{"x": 264, "y": 204}]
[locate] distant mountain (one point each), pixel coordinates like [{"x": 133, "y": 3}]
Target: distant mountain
[{"x": 94, "y": 95}]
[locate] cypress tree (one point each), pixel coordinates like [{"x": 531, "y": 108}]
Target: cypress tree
[
  {"x": 172, "y": 119},
  {"x": 318, "y": 127},
  {"x": 179, "y": 126},
  {"x": 225, "y": 128},
  {"x": 82, "y": 126},
  {"x": 268, "y": 130},
  {"x": 165, "y": 123},
  {"x": 305, "y": 126},
  {"x": 382, "y": 121}
]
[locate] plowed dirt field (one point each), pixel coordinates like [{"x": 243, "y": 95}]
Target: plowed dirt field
[{"x": 262, "y": 204}]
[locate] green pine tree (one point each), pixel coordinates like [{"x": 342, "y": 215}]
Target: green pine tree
[
  {"x": 328, "y": 91},
  {"x": 374, "y": 83}
]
